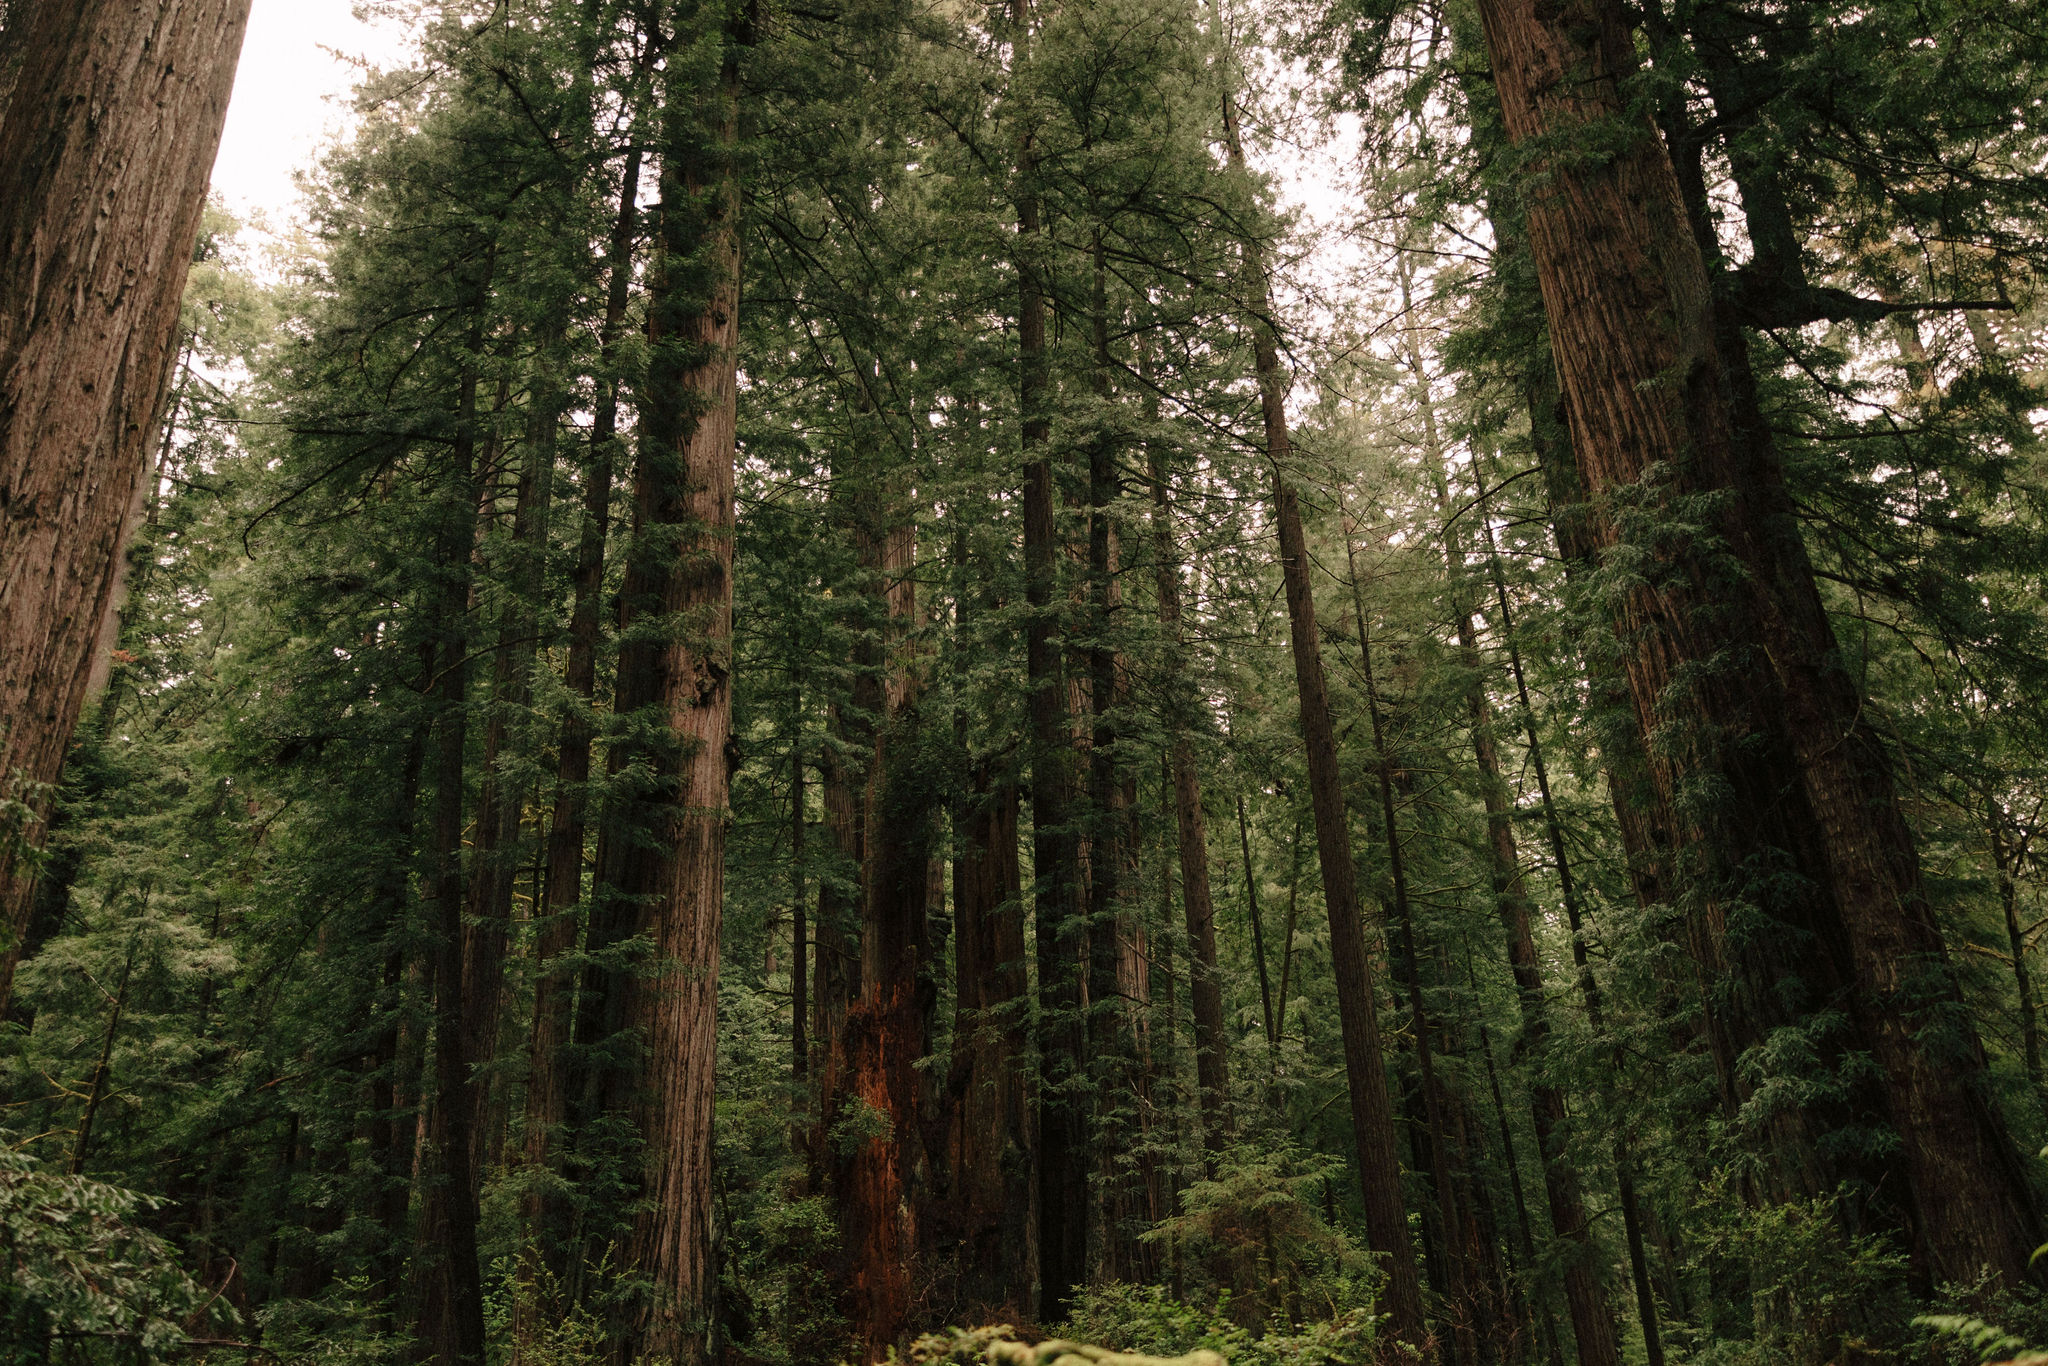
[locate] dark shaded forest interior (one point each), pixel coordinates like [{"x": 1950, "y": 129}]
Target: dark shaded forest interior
[{"x": 1358, "y": 682}]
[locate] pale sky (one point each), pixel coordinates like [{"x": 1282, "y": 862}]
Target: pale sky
[{"x": 290, "y": 94}]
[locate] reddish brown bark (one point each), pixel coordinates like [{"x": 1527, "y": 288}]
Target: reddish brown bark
[
  {"x": 878, "y": 1181},
  {"x": 684, "y": 487},
  {"x": 1656, "y": 416},
  {"x": 105, "y": 151}
]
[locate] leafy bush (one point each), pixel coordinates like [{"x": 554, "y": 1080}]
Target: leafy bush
[
  {"x": 1813, "y": 1293},
  {"x": 79, "y": 1272},
  {"x": 1253, "y": 1237},
  {"x": 1147, "y": 1319}
]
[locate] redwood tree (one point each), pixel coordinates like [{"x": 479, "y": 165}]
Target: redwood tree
[
  {"x": 1803, "y": 886},
  {"x": 105, "y": 151}
]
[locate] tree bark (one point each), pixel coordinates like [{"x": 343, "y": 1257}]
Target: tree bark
[
  {"x": 105, "y": 152},
  {"x": 1198, "y": 904},
  {"x": 990, "y": 1155},
  {"x": 501, "y": 807},
  {"x": 684, "y": 487},
  {"x": 1737, "y": 675},
  {"x": 1060, "y": 930},
  {"x": 452, "y": 1308},
  {"x": 550, "y": 1069},
  {"x": 878, "y": 1183},
  {"x": 1372, "y": 1111}
]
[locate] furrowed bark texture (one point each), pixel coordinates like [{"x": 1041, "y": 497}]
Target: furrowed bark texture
[
  {"x": 878, "y": 1182},
  {"x": 1770, "y": 719},
  {"x": 105, "y": 152},
  {"x": 685, "y": 489}
]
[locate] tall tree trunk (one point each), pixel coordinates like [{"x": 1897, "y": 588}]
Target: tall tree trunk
[
  {"x": 1738, "y": 675},
  {"x": 1119, "y": 978},
  {"x": 105, "y": 152},
  {"x": 991, "y": 1147},
  {"x": 1408, "y": 964},
  {"x": 550, "y": 1068},
  {"x": 1060, "y": 930},
  {"x": 1372, "y": 1110},
  {"x": 389, "y": 1155},
  {"x": 500, "y": 805},
  {"x": 1198, "y": 904},
  {"x": 878, "y": 1184},
  {"x": 453, "y": 1314},
  {"x": 1258, "y": 928},
  {"x": 685, "y": 487}
]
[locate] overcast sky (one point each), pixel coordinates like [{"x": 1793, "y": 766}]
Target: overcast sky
[{"x": 289, "y": 93}]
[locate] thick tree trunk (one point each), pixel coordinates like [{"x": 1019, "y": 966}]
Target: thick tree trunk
[
  {"x": 685, "y": 487},
  {"x": 1372, "y": 1111},
  {"x": 1737, "y": 674},
  {"x": 105, "y": 152},
  {"x": 1118, "y": 975},
  {"x": 878, "y": 1184},
  {"x": 990, "y": 1151}
]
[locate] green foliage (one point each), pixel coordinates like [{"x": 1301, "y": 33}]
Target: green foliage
[
  {"x": 341, "y": 1327},
  {"x": 81, "y": 1270},
  {"x": 235, "y": 934},
  {"x": 1809, "y": 1290},
  {"x": 1253, "y": 1235},
  {"x": 1986, "y": 1341},
  {"x": 1149, "y": 1320}
]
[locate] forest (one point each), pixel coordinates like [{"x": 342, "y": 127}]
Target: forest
[{"x": 1348, "y": 682}]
